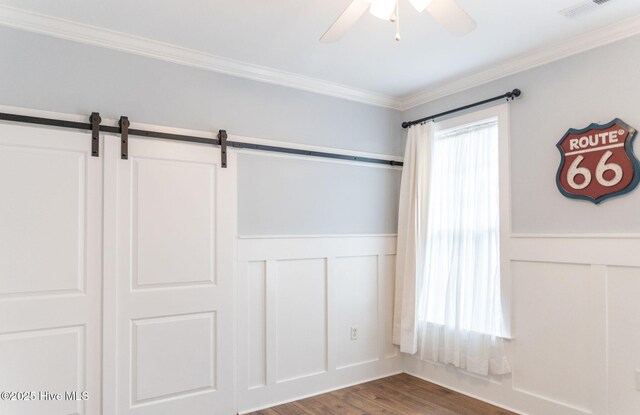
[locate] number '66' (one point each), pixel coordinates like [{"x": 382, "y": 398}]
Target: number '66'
[{"x": 601, "y": 168}]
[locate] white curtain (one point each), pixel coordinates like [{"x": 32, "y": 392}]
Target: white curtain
[
  {"x": 411, "y": 234},
  {"x": 456, "y": 283}
]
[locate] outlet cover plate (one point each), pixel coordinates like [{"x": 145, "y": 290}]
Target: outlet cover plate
[{"x": 354, "y": 333}]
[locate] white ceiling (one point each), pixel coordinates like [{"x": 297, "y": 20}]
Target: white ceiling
[{"x": 283, "y": 34}]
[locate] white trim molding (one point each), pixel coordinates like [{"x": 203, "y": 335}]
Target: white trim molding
[
  {"x": 92, "y": 35},
  {"x": 97, "y": 36},
  {"x": 567, "y": 290},
  {"x": 547, "y": 54},
  {"x": 277, "y": 317}
]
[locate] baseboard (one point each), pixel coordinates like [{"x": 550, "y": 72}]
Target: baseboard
[
  {"x": 465, "y": 393},
  {"x": 321, "y": 392}
]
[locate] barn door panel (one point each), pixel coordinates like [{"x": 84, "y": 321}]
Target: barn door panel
[
  {"x": 170, "y": 337},
  {"x": 50, "y": 271}
]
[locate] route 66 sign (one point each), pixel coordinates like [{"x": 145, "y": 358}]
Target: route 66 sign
[{"x": 598, "y": 162}]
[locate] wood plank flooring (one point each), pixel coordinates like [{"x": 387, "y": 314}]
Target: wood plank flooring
[{"x": 396, "y": 395}]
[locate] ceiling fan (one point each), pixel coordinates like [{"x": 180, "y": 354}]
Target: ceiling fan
[{"x": 447, "y": 12}]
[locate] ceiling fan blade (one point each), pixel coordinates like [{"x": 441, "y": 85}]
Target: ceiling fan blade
[
  {"x": 348, "y": 18},
  {"x": 452, "y": 17}
]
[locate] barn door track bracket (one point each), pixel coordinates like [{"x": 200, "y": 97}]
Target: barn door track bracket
[
  {"x": 124, "y": 130},
  {"x": 95, "y": 133},
  {"x": 124, "y": 137},
  {"x": 222, "y": 137}
]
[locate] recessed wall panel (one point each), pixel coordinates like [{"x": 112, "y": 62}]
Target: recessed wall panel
[
  {"x": 173, "y": 356},
  {"x": 257, "y": 337},
  {"x": 552, "y": 332},
  {"x": 390, "y": 280},
  {"x": 301, "y": 318},
  {"x": 42, "y": 223},
  {"x": 173, "y": 225},
  {"x": 49, "y": 360},
  {"x": 624, "y": 339},
  {"x": 356, "y": 303}
]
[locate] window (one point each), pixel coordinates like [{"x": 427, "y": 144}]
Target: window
[{"x": 467, "y": 220}]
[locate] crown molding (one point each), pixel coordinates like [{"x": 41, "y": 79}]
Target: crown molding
[
  {"x": 575, "y": 45},
  {"x": 97, "y": 36}
]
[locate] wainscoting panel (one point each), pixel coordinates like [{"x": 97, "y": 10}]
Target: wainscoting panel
[
  {"x": 257, "y": 329},
  {"x": 575, "y": 316},
  {"x": 623, "y": 335},
  {"x": 546, "y": 330},
  {"x": 301, "y": 318},
  {"x": 298, "y": 299},
  {"x": 356, "y": 305}
]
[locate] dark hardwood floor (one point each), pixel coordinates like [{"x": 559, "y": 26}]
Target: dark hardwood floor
[{"x": 396, "y": 395}]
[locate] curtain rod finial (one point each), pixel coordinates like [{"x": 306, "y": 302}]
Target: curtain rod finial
[{"x": 511, "y": 95}]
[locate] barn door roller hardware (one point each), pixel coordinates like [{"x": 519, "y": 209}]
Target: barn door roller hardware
[
  {"x": 95, "y": 134},
  {"x": 124, "y": 131},
  {"x": 222, "y": 137},
  {"x": 124, "y": 137}
]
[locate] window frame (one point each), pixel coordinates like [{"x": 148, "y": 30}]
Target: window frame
[{"x": 501, "y": 112}]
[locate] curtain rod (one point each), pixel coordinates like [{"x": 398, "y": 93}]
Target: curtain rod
[
  {"x": 179, "y": 137},
  {"x": 508, "y": 95}
]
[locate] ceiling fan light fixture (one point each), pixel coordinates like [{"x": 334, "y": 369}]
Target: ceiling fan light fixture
[
  {"x": 447, "y": 13},
  {"x": 420, "y": 5},
  {"x": 382, "y": 9}
]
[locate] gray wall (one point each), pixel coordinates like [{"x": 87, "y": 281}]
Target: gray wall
[
  {"x": 50, "y": 74},
  {"x": 316, "y": 197},
  {"x": 595, "y": 86}
]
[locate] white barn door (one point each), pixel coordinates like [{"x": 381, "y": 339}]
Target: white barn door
[
  {"x": 50, "y": 271},
  {"x": 170, "y": 223}
]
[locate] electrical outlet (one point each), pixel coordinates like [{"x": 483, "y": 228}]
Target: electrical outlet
[{"x": 354, "y": 333}]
